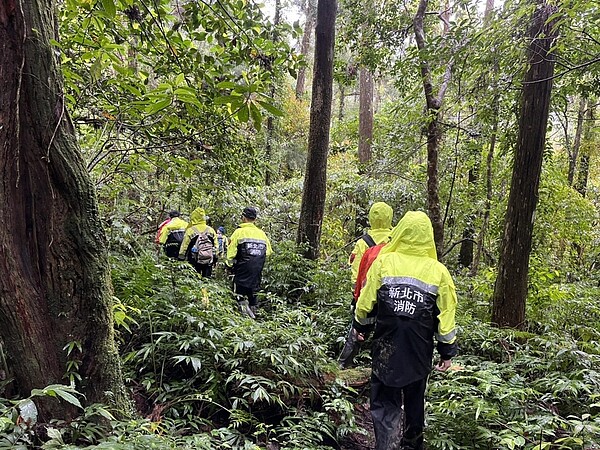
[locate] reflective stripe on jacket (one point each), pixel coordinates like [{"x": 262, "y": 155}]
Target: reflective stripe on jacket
[
  {"x": 248, "y": 248},
  {"x": 415, "y": 298},
  {"x": 176, "y": 223}
]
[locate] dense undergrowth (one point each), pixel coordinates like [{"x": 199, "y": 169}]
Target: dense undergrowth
[{"x": 203, "y": 376}]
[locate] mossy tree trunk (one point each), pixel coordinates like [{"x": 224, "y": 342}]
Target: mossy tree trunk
[{"x": 54, "y": 273}]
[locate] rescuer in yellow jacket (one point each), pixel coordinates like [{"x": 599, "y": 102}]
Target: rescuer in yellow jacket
[
  {"x": 411, "y": 298},
  {"x": 246, "y": 254},
  {"x": 380, "y": 221},
  {"x": 201, "y": 256},
  {"x": 171, "y": 234}
]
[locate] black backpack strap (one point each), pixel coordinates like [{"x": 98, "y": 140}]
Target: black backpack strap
[{"x": 369, "y": 240}]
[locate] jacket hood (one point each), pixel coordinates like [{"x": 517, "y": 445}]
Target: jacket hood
[
  {"x": 413, "y": 235},
  {"x": 198, "y": 216},
  {"x": 380, "y": 215}
]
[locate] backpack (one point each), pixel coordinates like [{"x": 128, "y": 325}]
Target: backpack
[
  {"x": 202, "y": 250},
  {"x": 365, "y": 263},
  {"x": 173, "y": 243}
]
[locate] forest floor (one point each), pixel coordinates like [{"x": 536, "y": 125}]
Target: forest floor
[
  {"x": 360, "y": 441},
  {"x": 358, "y": 379}
]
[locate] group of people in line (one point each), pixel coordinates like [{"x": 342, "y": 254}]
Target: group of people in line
[
  {"x": 200, "y": 245},
  {"x": 402, "y": 294}
]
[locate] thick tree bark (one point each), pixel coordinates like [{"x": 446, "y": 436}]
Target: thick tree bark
[
  {"x": 309, "y": 25},
  {"x": 434, "y": 131},
  {"x": 54, "y": 284},
  {"x": 510, "y": 290},
  {"x": 365, "y": 116},
  {"x": 315, "y": 179},
  {"x": 574, "y": 153}
]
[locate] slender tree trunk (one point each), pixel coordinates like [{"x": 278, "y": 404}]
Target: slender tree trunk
[
  {"x": 584, "y": 163},
  {"x": 55, "y": 280},
  {"x": 270, "y": 163},
  {"x": 365, "y": 117},
  {"x": 574, "y": 154},
  {"x": 489, "y": 164},
  {"x": 510, "y": 291},
  {"x": 315, "y": 179},
  {"x": 309, "y": 25},
  {"x": 342, "y": 102},
  {"x": 434, "y": 131},
  {"x": 489, "y": 9}
]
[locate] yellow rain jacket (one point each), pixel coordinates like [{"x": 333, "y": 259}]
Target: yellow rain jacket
[
  {"x": 176, "y": 223},
  {"x": 380, "y": 219},
  {"x": 411, "y": 297},
  {"x": 196, "y": 226},
  {"x": 247, "y": 251}
]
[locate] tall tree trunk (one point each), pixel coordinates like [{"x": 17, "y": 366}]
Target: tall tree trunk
[
  {"x": 365, "y": 137},
  {"x": 55, "y": 280},
  {"x": 271, "y": 120},
  {"x": 309, "y": 25},
  {"x": 315, "y": 179},
  {"x": 584, "y": 163},
  {"x": 510, "y": 290},
  {"x": 365, "y": 117},
  {"x": 434, "y": 131},
  {"x": 574, "y": 154}
]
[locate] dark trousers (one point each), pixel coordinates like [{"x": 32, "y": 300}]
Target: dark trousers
[
  {"x": 245, "y": 293},
  {"x": 203, "y": 269},
  {"x": 386, "y": 411}
]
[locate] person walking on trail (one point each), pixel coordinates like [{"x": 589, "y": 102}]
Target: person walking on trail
[
  {"x": 171, "y": 234},
  {"x": 198, "y": 245},
  {"x": 248, "y": 249},
  {"x": 380, "y": 219},
  {"x": 222, "y": 242},
  {"x": 415, "y": 300},
  {"x": 161, "y": 226}
]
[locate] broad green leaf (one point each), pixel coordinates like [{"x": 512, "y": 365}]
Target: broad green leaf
[
  {"x": 243, "y": 114},
  {"x": 157, "y": 106},
  {"x": 110, "y": 8},
  {"x": 228, "y": 99},
  {"x": 256, "y": 116},
  {"x": 275, "y": 111},
  {"x": 68, "y": 397}
]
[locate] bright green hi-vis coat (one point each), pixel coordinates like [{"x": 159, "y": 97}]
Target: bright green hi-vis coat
[
  {"x": 248, "y": 249},
  {"x": 197, "y": 225},
  {"x": 380, "y": 220},
  {"x": 176, "y": 223},
  {"x": 414, "y": 298}
]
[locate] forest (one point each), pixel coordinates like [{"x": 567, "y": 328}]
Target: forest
[{"x": 481, "y": 114}]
